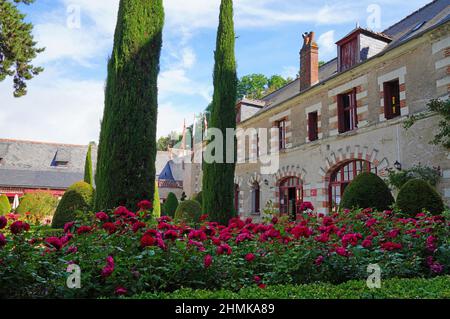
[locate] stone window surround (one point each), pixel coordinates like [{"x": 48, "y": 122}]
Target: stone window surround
[
  {"x": 286, "y": 115},
  {"x": 399, "y": 74}
]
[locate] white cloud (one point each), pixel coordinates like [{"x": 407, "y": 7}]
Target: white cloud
[
  {"x": 327, "y": 44},
  {"x": 171, "y": 118}
]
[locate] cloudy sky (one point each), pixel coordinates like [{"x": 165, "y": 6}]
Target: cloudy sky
[{"x": 65, "y": 103}]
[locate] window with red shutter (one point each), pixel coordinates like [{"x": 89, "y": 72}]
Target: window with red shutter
[
  {"x": 313, "y": 126},
  {"x": 347, "y": 111},
  {"x": 391, "y": 99}
]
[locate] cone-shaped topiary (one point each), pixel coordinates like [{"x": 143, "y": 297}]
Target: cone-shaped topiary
[
  {"x": 367, "y": 190},
  {"x": 88, "y": 177},
  {"x": 5, "y": 206},
  {"x": 125, "y": 173},
  {"x": 417, "y": 195},
  {"x": 171, "y": 205},
  {"x": 78, "y": 197},
  {"x": 218, "y": 178},
  {"x": 189, "y": 211},
  {"x": 156, "y": 202}
]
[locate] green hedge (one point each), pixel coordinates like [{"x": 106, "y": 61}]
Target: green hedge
[
  {"x": 189, "y": 211},
  {"x": 39, "y": 204},
  {"x": 171, "y": 205},
  {"x": 367, "y": 191},
  {"x": 417, "y": 288},
  {"x": 77, "y": 198},
  {"x": 417, "y": 195},
  {"x": 5, "y": 206}
]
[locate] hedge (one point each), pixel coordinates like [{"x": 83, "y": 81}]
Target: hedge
[
  {"x": 367, "y": 191},
  {"x": 171, "y": 205},
  {"x": 417, "y": 195},
  {"x": 417, "y": 288},
  {"x": 5, "y": 206},
  {"x": 39, "y": 204},
  {"x": 189, "y": 211}
]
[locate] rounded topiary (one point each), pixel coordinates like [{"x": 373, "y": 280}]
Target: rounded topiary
[
  {"x": 40, "y": 205},
  {"x": 367, "y": 191},
  {"x": 189, "y": 211},
  {"x": 418, "y": 195},
  {"x": 171, "y": 205},
  {"x": 199, "y": 198},
  {"x": 78, "y": 197},
  {"x": 5, "y": 206}
]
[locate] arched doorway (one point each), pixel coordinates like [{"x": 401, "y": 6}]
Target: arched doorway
[
  {"x": 291, "y": 193},
  {"x": 343, "y": 176}
]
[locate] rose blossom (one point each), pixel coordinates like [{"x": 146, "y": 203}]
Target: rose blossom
[
  {"x": 250, "y": 257},
  {"x": 54, "y": 242},
  {"x": 3, "y": 222},
  {"x": 145, "y": 205},
  {"x": 102, "y": 216},
  {"x": 207, "y": 261},
  {"x": 18, "y": 227},
  {"x": 109, "y": 268},
  {"x": 68, "y": 226},
  {"x": 120, "y": 291}
]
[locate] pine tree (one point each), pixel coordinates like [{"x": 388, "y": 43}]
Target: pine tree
[
  {"x": 218, "y": 198},
  {"x": 17, "y": 47},
  {"x": 126, "y": 171},
  {"x": 88, "y": 177}
]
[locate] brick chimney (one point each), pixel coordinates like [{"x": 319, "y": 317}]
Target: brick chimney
[{"x": 309, "y": 62}]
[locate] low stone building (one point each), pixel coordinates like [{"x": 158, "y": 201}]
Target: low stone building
[
  {"x": 347, "y": 116},
  {"x": 30, "y": 166}
]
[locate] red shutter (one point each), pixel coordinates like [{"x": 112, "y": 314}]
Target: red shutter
[
  {"x": 340, "y": 111},
  {"x": 354, "y": 106}
]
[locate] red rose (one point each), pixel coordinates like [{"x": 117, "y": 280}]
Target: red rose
[
  {"x": 204, "y": 217},
  {"x": 110, "y": 228},
  {"x": 342, "y": 251},
  {"x": 257, "y": 279},
  {"x": 319, "y": 260},
  {"x": 207, "y": 261},
  {"x": 84, "y": 230},
  {"x": 18, "y": 227},
  {"x": 145, "y": 205},
  {"x": 262, "y": 286},
  {"x": 389, "y": 246},
  {"x": 250, "y": 257},
  {"x": 109, "y": 268},
  {"x": 2, "y": 240},
  {"x": 171, "y": 234},
  {"x": 137, "y": 226},
  {"x": 3, "y": 222},
  {"x": 72, "y": 250},
  {"x": 120, "y": 291},
  {"x": 147, "y": 241},
  {"x": 54, "y": 242},
  {"x": 224, "y": 249},
  {"x": 101, "y": 216},
  {"x": 68, "y": 227},
  {"x": 367, "y": 243}
]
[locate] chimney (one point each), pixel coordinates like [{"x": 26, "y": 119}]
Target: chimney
[{"x": 309, "y": 62}]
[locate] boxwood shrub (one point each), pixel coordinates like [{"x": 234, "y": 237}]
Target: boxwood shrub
[
  {"x": 417, "y": 195},
  {"x": 367, "y": 191},
  {"x": 189, "y": 211}
]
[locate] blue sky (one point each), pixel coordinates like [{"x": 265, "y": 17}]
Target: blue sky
[{"x": 65, "y": 103}]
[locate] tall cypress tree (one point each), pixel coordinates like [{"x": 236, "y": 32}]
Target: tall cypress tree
[
  {"x": 127, "y": 150},
  {"x": 88, "y": 177},
  {"x": 218, "y": 178}
]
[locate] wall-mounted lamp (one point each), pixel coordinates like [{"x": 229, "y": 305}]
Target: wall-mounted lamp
[{"x": 398, "y": 165}]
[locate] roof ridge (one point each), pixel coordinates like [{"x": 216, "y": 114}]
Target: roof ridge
[
  {"x": 40, "y": 142},
  {"x": 410, "y": 15}
]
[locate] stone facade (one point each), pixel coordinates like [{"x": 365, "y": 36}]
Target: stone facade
[{"x": 422, "y": 67}]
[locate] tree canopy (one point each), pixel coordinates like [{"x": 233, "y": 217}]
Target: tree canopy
[
  {"x": 17, "y": 47},
  {"x": 256, "y": 86}
]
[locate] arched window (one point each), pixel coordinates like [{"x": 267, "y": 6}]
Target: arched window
[
  {"x": 236, "y": 197},
  {"x": 256, "y": 198},
  {"x": 291, "y": 193},
  {"x": 343, "y": 176}
]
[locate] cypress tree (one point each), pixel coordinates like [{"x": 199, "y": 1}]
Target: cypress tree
[
  {"x": 126, "y": 171},
  {"x": 218, "y": 198},
  {"x": 88, "y": 177}
]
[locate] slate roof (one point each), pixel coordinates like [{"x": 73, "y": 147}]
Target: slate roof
[
  {"x": 435, "y": 13},
  {"x": 31, "y": 164}
]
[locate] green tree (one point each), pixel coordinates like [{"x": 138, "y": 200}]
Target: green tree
[
  {"x": 88, "y": 176},
  {"x": 5, "y": 206},
  {"x": 17, "y": 47},
  {"x": 276, "y": 82},
  {"x": 171, "y": 205},
  {"x": 169, "y": 141},
  {"x": 218, "y": 198},
  {"x": 125, "y": 171},
  {"x": 252, "y": 86}
]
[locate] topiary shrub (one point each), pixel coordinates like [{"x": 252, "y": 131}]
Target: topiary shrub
[
  {"x": 189, "y": 211},
  {"x": 171, "y": 205},
  {"x": 198, "y": 197},
  {"x": 5, "y": 206},
  {"x": 156, "y": 202},
  {"x": 367, "y": 191},
  {"x": 416, "y": 196},
  {"x": 78, "y": 197},
  {"x": 40, "y": 205}
]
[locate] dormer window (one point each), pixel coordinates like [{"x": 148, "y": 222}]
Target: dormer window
[
  {"x": 358, "y": 46},
  {"x": 62, "y": 158}
]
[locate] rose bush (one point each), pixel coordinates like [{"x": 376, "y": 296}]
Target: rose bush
[{"x": 127, "y": 253}]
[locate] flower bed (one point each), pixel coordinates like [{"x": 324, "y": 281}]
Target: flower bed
[{"x": 126, "y": 253}]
